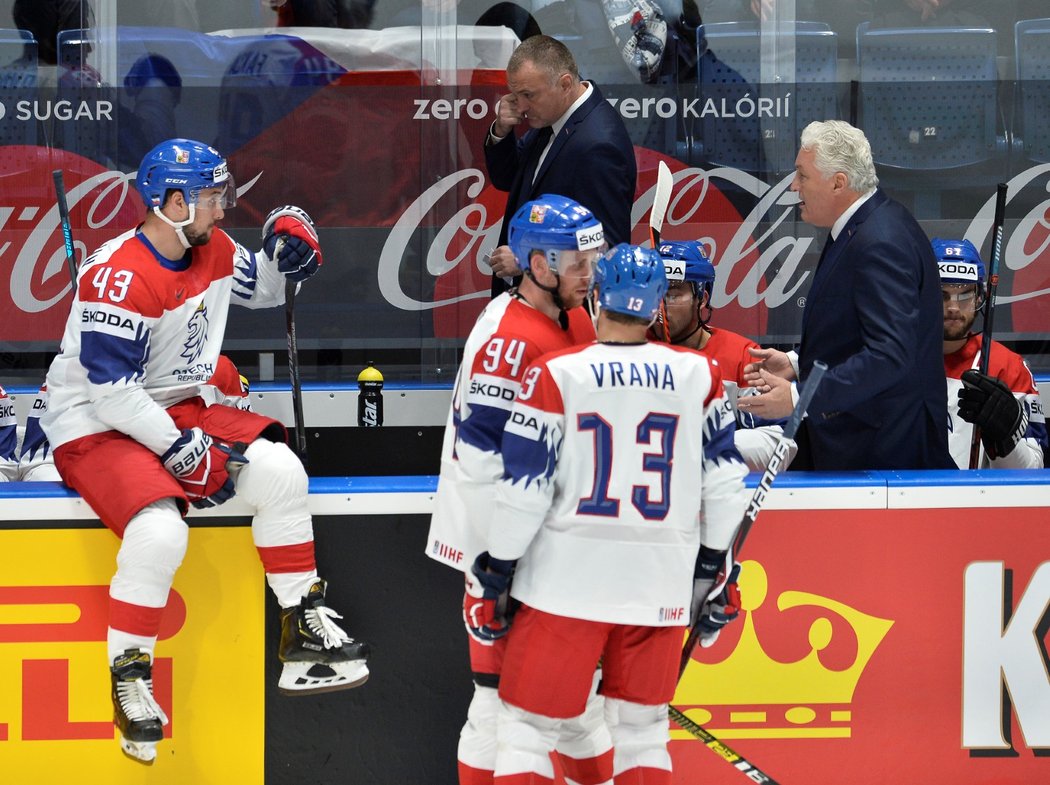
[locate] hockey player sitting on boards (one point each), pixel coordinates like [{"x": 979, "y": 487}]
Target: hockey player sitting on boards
[{"x": 132, "y": 434}]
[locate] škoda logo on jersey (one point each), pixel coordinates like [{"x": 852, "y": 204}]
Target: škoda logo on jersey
[{"x": 798, "y": 699}]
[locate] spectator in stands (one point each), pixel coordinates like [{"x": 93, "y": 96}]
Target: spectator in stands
[
  {"x": 154, "y": 89},
  {"x": 46, "y": 18},
  {"x": 323, "y": 13}
]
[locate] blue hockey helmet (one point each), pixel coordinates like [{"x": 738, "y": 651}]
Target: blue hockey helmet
[
  {"x": 553, "y": 224},
  {"x": 631, "y": 280},
  {"x": 687, "y": 261},
  {"x": 958, "y": 262},
  {"x": 187, "y": 166}
]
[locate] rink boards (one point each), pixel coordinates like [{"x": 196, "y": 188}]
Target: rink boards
[{"x": 894, "y": 630}]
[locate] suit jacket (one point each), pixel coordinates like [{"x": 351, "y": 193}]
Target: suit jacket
[
  {"x": 591, "y": 160},
  {"x": 874, "y": 315}
]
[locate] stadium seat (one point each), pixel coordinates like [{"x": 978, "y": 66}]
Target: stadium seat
[
  {"x": 797, "y": 85},
  {"x": 18, "y": 65},
  {"x": 929, "y": 105},
  {"x": 1031, "y": 144}
]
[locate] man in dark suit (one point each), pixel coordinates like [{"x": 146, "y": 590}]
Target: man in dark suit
[
  {"x": 873, "y": 314},
  {"x": 576, "y": 145}
]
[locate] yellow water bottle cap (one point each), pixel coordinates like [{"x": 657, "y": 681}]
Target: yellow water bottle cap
[{"x": 370, "y": 374}]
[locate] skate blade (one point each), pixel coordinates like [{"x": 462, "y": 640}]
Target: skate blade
[
  {"x": 310, "y": 678},
  {"x": 139, "y": 751}
]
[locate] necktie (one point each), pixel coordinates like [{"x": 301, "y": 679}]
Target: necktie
[{"x": 536, "y": 154}]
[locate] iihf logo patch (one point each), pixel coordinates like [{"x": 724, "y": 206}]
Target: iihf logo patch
[{"x": 198, "y": 334}]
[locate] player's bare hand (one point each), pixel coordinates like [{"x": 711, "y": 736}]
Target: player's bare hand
[
  {"x": 774, "y": 399},
  {"x": 507, "y": 115},
  {"x": 773, "y": 361},
  {"x": 503, "y": 263}
]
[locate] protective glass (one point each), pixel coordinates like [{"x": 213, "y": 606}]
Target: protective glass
[
  {"x": 578, "y": 264},
  {"x": 224, "y": 199},
  {"x": 679, "y": 295},
  {"x": 961, "y": 296}
]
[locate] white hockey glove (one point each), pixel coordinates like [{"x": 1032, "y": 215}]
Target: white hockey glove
[
  {"x": 290, "y": 239},
  {"x": 716, "y": 596},
  {"x": 202, "y": 466}
]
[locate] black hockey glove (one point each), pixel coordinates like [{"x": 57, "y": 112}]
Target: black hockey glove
[{"x": 989, "y": 404}]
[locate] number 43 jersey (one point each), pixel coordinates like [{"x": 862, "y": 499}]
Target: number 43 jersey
[
  {"x": 619, "y": 461},
  {"x": 145, "y": 332}
]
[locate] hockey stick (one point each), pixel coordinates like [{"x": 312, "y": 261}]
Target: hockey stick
[
  {"x": 989, "y": 304},
  {"x": 735, "y": 759},
  {"x": 773, "y": 466},
  {"x": 293, "y": 369},
  {"x": 661, "y": 199},
  {"x": 67, "y": 229}
]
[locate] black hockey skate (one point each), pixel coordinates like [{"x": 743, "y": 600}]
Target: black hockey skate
[
  {"x": 138, "y": 717},
  {"x": 318, "y": 656}
]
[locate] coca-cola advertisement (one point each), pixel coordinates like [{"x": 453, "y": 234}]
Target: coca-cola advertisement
[{"x": 380, "y": 141}]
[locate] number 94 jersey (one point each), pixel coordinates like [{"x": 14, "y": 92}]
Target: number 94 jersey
[
  {"x": 611, "y": 454},
  {"x": 508, "y": 336}
]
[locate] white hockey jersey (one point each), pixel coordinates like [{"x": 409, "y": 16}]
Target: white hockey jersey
[
  {"x": 612, "y": 453},
  {"x": 8, "y": 438},
  {"x": 1010, "y": 368},
  {"x": 144, "y": 333},
  {"x": 756, "y": 437},
  {"x": 508, "y": 335}
]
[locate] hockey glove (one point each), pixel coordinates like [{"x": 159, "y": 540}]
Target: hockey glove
[
  {"x": 486, "y": 601},
  {"x": 202, "y": 466},
  {"x": 716, "y": 599},
  {"x": 290, "y": 239},
  {"x": 989, "y": 404}
]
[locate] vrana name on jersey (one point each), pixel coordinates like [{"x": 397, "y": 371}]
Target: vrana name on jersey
[{"x": 617, "y": 374}]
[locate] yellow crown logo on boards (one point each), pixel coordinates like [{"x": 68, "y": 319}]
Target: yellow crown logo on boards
[{"x": 752, "y": 695}]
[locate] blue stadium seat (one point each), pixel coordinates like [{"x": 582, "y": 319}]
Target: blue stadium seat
[
  {"x": 730, "y": 69},
  {"x": 1032, "y": 102},
  {"x": 18, "y": 65},
  {"x": 929, "y": 101}
]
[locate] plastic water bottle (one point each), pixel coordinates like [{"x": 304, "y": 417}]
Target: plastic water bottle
[{"x": 370, "y": 397}]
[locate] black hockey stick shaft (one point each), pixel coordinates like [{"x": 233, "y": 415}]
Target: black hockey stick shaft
[
  {"x": 293, "y": 370},
  {"x": 733, "y": 758},
  {"x": 989, "y": 304},
  {"x": 67, "y": 229},
  {"x": 773, "y": 466}
]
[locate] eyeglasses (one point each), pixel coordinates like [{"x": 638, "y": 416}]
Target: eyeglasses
[{"x": 962, "y": 298}]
